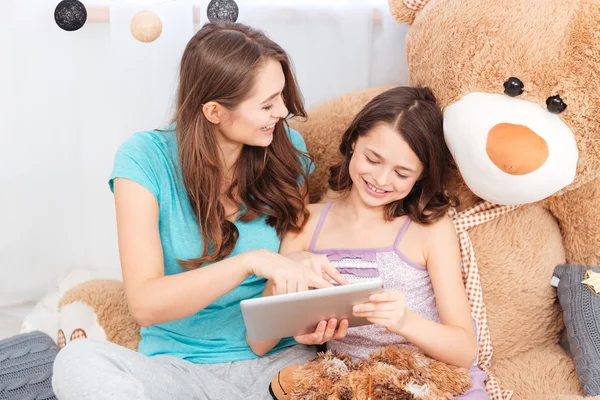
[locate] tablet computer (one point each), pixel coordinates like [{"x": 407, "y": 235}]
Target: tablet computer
[{"x": 299, "y": 313}]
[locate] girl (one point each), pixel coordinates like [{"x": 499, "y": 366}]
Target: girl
[
  {"x": 200, "y": 209},
  {"x": 391, "y": 222}
]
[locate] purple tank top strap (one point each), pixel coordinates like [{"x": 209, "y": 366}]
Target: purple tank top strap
[
  {"x": 319, "y": 226},
  {"x": 402, "y": 231}
]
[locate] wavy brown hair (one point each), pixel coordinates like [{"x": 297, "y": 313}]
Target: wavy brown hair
[
  {"x": 219, "y": 64},
  {"x": 415, "y": 115}
]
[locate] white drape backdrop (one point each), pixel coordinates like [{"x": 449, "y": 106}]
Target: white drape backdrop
[{"x": 68, "y": 99}]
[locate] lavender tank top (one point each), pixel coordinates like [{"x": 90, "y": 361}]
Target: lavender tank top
[{"x": 396, "y": 271}]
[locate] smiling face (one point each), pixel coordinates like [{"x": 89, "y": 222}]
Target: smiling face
[
  {"x": 253, "y": 121},
  {"x": 383, "y": 167},
  {"x": 522, "y": 110}
]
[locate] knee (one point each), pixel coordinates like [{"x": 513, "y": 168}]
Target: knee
[{"x": 73, "y": 366}]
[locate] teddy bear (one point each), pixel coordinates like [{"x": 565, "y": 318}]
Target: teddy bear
[
  {"x": 96, "y": 309},
  {"x": 519, "y": 85}
]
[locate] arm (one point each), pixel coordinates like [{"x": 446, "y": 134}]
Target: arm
[
  {"x": 295, "y": 246},
  {"x": 452, "y": 341},
  {"x": 154, "y": 298},
  {"x": 578, "y": 214},
  {"x": 291, "y": 242}
]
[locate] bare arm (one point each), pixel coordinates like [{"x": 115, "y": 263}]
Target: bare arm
[
  {"x": 154, "y": 298},
  {"x": 295, "y": 246},
  {"x": 452, "y": 341},
  {"x": 291, "y": 242}
]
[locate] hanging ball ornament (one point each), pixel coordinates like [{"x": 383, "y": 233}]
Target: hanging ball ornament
[
  {"x": 70, "y": 15},
  {"x": 146, "y": 26},
  {"x": 222, "y": 10}
]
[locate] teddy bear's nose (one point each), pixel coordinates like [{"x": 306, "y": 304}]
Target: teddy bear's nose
[{"x": 516, "y": 149}]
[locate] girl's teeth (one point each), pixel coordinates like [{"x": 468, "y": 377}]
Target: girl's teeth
[{"x": 375, "y": 189}]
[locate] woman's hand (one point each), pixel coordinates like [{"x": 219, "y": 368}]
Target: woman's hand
[
  {"x": 386, "y": 309},
  {"x": 324, "y": 332},
  {"x": 319, "y": 264},
  {"x": 287, "y": 275}
]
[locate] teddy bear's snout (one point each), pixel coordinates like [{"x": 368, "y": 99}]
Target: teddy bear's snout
[{"x": 516, "y": 149}]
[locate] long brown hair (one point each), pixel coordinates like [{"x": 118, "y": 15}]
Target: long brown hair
[
  {"x": 414, "y": 114},
  {"x": 219, "y": 64}
]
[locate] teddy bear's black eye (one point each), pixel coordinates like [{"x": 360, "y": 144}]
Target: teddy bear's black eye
[
  {"x": 513, "y": 87},
  {"x": 555, "y": 104}
]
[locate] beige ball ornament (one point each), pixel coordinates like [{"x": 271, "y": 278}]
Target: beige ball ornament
[{"x": 146, "y": 26}]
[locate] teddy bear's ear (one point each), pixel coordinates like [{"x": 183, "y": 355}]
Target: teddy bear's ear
[{"x": 406, "y": 10}]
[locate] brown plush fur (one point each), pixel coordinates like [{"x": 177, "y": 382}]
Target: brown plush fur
[
  {"x": 462, "y": 46},
  {"x": 392, "y": 373},
  {"x": 107, "y": 298}
]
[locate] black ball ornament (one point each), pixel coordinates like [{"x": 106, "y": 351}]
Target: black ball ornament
[
  {"x": 70, "y": 15},
  {"x": 222, "y": 10}
]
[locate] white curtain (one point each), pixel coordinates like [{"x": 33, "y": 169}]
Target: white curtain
[{"x": 68, "y": 99}]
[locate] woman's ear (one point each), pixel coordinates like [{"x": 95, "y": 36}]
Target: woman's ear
[
  {"x": 213, "y": 112},
  {"x": 405, "y": 11}
]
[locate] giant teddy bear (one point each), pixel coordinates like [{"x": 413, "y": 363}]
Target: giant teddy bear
[{"x": 519, "y": 82}]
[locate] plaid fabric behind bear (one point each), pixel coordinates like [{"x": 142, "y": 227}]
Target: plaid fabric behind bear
[
  {"x": 480, "y": 213},
  {"x": 415, "y": 4}
]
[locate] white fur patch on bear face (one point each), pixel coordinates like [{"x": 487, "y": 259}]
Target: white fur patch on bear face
[
  {"x": 78, "y": 320},
  {"x": 467, "y": 124}
]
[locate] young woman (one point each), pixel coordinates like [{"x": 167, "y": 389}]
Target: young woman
[{"x": 201, "y": 207}]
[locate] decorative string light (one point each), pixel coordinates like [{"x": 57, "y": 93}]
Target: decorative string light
[
  {"x": 70, "y": 15},
  {"x": 146, "y": 26},
  {"x": 222, "y": 10}
]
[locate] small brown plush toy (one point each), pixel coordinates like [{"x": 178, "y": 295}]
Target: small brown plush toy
[
  {"x": 97, "y": 310},
  {"x": 394, "y": 372}
]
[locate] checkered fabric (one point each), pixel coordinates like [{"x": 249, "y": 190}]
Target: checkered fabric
[
  {"x": 478, "y": 214},
  {"x": 415, "y": 4},
  {"x": 78, "y": 334},
  {"x": 62, "y": 340}
]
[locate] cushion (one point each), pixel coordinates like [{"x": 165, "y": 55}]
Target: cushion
[
  {"x": 581, "y": 313},
  {"x": 26, "y": 366}
]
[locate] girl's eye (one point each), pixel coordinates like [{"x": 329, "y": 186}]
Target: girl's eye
[
  {"x": 401, "y": 176},
  {"x": 371, "y": 161},
  {"x": 267, "y": 108}
]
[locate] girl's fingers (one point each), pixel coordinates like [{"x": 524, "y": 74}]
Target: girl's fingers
[
  {"x": 386, "y": 296},
  {"x": 368, "y": 307},
  {"x": 378, "y": 314}
]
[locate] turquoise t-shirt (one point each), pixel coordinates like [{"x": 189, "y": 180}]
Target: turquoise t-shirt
[{"x": 217, "y": 333}]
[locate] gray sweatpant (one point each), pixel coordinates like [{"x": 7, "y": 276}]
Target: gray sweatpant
[{"x": 87, "y": 369}]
